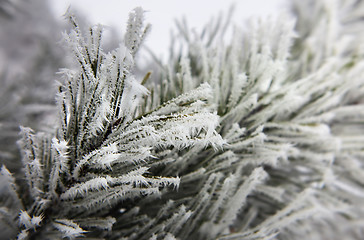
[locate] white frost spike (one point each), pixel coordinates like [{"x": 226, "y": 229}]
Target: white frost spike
[
  {"x": 188, "y": 83},
  {"x": 100, "y": 223},
  {"x": 133, "y": 91},
  {"x": 36, "y": 220},
  {"x": 61, "y": 148},
  {"x": 7, "y": 183},
  {"x": 203, "y": 92},
  {"x": 237, "y": 89},
  {"x": 28, "y": 222},
  {"x": 4, "y": 172},
  {"x": 239, "y": 198},
  {"x": 101, "y": 117},
  {"x": 285, "y": 36},
  {"x": 91, "y": 185},
  {"x": 23, "y": 235},
  {"x": 134, "y": 178},
  {"x": 187, "y": 130},
  {"x": 169, "y": 236},
  {"x": 25, "y": 220},
  {"x": 135, "y": 33},
  {"x": 68, "y": 228},
  {"x": 100, "y": 158},
  {"x": 60, "y": 164},
  {"x": 110, "y": 156}
]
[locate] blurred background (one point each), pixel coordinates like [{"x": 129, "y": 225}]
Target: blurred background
[{"x": 162, "y": 13}]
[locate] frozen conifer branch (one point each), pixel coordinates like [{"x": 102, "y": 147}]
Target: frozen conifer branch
[
  {"x": 104, "y": 145},
  {"x": 273, "y": 114},
  {"x": 259, "y": 137}
]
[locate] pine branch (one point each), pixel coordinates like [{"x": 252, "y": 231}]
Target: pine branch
[{"x": 258, "y": 136}]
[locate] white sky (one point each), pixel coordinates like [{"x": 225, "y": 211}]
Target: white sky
[{"x": 161, "y": 13}]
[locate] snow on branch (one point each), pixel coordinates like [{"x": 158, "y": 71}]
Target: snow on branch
[{"x": 254, "y": 136}]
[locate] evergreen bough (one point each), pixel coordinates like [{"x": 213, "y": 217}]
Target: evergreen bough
[{"x": 257, "y": 138}]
